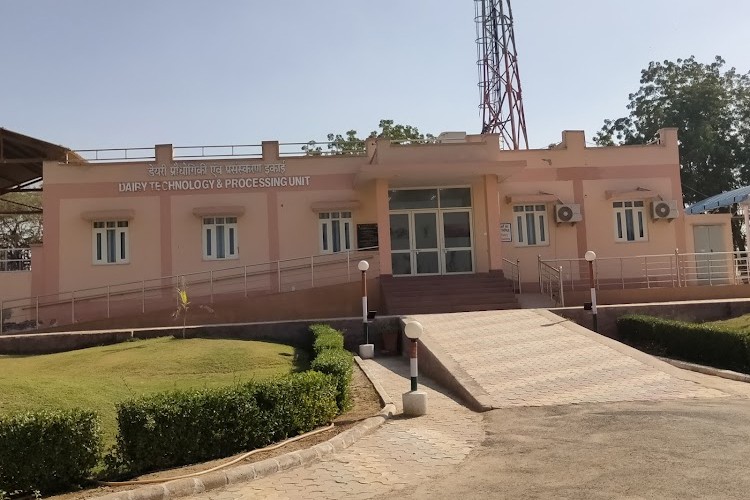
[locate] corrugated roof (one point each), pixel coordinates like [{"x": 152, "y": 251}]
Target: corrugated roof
[
  {"x": 726, "y": 199},
  {"x": 21, "y": 159}
]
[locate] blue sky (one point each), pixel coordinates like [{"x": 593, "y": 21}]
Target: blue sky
[{"x": 102, "y": 73}]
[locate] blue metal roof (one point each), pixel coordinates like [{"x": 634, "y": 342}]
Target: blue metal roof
[{"x": 726, "y": 199}]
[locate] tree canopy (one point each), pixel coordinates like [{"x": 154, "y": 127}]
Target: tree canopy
[
  {"x": 710, "y": 105},
  {"x": 350, "y": 143},
  {"x": 19, "y": 228}
]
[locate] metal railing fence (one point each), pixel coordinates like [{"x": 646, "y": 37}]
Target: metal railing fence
[
  {"x": 551, "y": 282},
  {"x": 204, "y": 287},
  {"x": 512, "y": 271},
  {"x": 228, "y": 151},
  {"x": 654, "y": 271}
]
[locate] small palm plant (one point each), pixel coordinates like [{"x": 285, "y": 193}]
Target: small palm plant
[{"x": 183, "y": 304}]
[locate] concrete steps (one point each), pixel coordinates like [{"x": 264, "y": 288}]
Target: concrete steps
[{"x": 444, "y": 294}]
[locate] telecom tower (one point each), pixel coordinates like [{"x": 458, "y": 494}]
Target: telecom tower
[{"x": 499, "y": 82}]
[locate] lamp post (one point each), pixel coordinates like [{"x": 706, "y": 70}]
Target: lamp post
[
  {"x": 414, "y": 401},
  {"x": 366, "y": 350},
  {"x": 590, "y": 257}
]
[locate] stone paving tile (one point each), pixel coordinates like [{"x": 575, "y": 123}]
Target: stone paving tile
[
  {"x": 520, "y": 358},
  {"x": 402, "y": 452}
]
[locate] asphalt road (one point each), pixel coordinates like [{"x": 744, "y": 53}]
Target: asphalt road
[{"x": 669, "y": 449}]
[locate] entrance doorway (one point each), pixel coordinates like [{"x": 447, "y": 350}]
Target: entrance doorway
[
  {"x": 431, "y": 242},
  {"x": 712, "y": 266}
]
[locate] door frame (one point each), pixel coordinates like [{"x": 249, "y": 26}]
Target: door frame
[
  {"x": 444, "y": 250},
  {"x": 441, "y": 248},
  {"x": 412, "y": 243}
]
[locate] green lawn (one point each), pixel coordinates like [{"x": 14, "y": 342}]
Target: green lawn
[
  {"x": 740, "y": 324},
  {"x": 99, "y": 377}
]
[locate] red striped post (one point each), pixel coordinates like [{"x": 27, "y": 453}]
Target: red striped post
[
  {"x": 363, "y": 266},
  {"x": 415, "y": 401}
]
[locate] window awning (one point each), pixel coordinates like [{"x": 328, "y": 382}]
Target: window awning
[
  {"x": 334, "y": 206},
  {"x": 216, "y": 211},
  {"x": 102, "y": 215},
  {"x": 540, "y": 197},
  {"x": 632, "y": 194}
]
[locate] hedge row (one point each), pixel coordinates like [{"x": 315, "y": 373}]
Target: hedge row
[
  {"x": 47, "y": 451},
  {"x": 177, "y": 428},
  {"x": 326, "y": 337},
  {"x": 52, "y": 451},
  {"x": 331, "y": 358},
  {"x": 701, "y": 343}
]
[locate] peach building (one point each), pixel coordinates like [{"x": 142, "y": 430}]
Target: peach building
[{"x": 459, "y": 206}]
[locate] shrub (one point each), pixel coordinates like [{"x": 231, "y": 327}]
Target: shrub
[
  {"x": 326, "y": 337},
  {"x": 48, "y": 451},
  {"x": 701, "y": 343},
  {"x": 177, "y": 428},
  {"x": 338, "y": 363},
  {"x": 331, "y": 358}
]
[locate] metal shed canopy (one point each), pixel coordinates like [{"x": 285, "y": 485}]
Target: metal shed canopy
[
  {"x": 740, "y": 195},
  {"x": 21, "y": 159}
]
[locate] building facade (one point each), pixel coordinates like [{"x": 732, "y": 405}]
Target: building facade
[{"x": 461, "y": 205}]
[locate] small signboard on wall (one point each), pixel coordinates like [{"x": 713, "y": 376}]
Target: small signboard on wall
[
  {"x": 367, "y": 236},
  {"x": 505, "y": 232}
]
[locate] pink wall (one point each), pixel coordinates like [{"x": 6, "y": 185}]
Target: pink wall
[
  {"x": 280, "y": 223},
  {"x": 15, "y": 284},
  {"x": 187, "y": 235},
  {"x": 75, "y": 248}
]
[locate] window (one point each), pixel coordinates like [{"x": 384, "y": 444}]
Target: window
[
  {"x": 335, "y": 230},
  {"x": 531, "y": 225},
  {"x": 220, "y": 238},
  {"x": 630, "y": 221},
  {"x": 410, "y": 199},
  {"x": 110, "y": 242}
]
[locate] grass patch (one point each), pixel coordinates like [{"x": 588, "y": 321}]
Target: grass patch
[
  {"x": 98, "y": 377},
  {"x": 740, "y": 324}
]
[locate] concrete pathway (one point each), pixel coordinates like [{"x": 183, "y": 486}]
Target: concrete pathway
[
  {"x": 516, "y": 359},
  {"x": 401, "y": 453},
  {"x": 531, "y": 357}
]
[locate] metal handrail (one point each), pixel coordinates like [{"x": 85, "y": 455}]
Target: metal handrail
[
  {"x": 83, "y": 153},
  {"x": 282, "y": 272},
  {"x": 209, "y": 151},
  {"x": 515, "y": 273},
  {"x": 656, "y": 270},
  {"x": 551, "y": 281}
]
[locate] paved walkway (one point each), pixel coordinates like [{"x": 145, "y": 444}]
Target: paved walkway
[
  {"x": 402, "y": 452},
  {"x": 517, "y": 358},
  {"x": 531, "y": 357}
]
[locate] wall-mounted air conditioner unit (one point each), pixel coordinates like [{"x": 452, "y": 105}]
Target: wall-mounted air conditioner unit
[
  {"x": 664, "y": 209},
  {"x": 568, "y": 213}
]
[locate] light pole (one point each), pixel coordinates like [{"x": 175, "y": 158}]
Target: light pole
[
  {"x": 590, "y": 257},
  {"x": 366, "y": 350},
  {"x": 414, "y": 401}
]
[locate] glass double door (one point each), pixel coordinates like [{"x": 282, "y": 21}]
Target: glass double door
[{"x": 425, "y": 242}]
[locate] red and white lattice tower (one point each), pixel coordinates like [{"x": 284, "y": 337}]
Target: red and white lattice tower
[{"x": 499, "y": 82}]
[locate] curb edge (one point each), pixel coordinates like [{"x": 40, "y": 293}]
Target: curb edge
[{"x": 258, "y": 470}]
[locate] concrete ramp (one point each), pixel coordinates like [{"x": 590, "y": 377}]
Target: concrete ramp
[{"x": 532, "y": 357}]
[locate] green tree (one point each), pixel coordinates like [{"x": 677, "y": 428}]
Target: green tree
[
  {"x": 710, "y": 105},
  {"x": 20, "y": 226},
  {"x": 350, "y": 144}
]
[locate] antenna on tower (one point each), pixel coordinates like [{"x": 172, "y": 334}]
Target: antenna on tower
[{"x": 499, "y": 82}]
